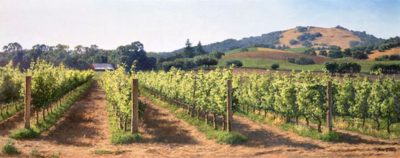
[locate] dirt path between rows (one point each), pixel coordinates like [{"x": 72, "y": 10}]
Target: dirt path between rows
[
  {"x": 84, "y": 129},
  {"x": 288, "y": 142},
  {"x": 14, "y": 122}
]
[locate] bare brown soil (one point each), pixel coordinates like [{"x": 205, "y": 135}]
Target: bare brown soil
[
  {"x": 84, "y": 129},
  {"x": 274, "y": 55}
]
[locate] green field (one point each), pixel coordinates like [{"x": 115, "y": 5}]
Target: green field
[
  {"x": 266, "y": 64},
  {"x": 297, "y": 50},
  {"x": 237, "y": 50}
]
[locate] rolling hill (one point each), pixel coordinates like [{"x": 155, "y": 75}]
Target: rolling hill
[
  {"x": 376, "y": 53},
  {"x": 263, "y": 58},
  {"x": 300, "y": 36},
  {"x": 329, "y": 36},
  {"x": 273, "y": 54}
]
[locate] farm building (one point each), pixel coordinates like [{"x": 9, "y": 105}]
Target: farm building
[{"x": 102, "y": 67}]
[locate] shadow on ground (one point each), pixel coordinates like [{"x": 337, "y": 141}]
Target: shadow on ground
[{"x": 164, "y": 128}]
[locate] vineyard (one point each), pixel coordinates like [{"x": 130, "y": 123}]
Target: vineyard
[
  {"x": 304, "y": 95},
  {"x": 361, "y": 104},
  {"x": 116, "y": 85},
  {"x": 200, "y": 93},
  {"x": 11, "y": 90},
  {"x": 50, "y": 88},
  {"x": 219, "y": 104}
]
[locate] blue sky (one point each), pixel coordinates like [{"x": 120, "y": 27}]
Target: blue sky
[{"x": 164, "y": 25}]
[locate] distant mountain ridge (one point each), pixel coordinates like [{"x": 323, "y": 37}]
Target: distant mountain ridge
[{"x": 300, "y": 36}]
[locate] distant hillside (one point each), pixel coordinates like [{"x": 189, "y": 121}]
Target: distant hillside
[
  {"x": 266, "y": 40},
  {"x": 376, "y": 53},
  {"x": 299, "y": 37},
  {"x": 322, "y": 37},
  {"x": 273, "y": 54}
]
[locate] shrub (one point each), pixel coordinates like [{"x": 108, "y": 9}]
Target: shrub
[
  {"x": 349, "y": 68},
  {"x": 231, "y": 138},
  {"x": 331, "y": 137},
  {"x": 125, "y": 138},
  {"x": 216, "y": 54},
  {"x": 24, "y": 133},
  {"x": 382, "y": 58},
  {"x": 332, "y": 67},
  {"x": 359, "y": 55},
  {"x": 310, "y": 51},
  {"x": 35, "y": 153},
  {"x": 301, "y": 29},
  {"x": 291, "y": 60},
  {"x": 9, "y": 148},
  {"x": 386, "y": 68},
  {"x": 347, "y": 52},
  {"x": 180, "y": 63},
  {"x": 294, "y": 42},
  {"x": 235, "y": 63},
  {"x": 323, "y": 53},
  {"x": 394, "y": 57},
  {"x": 274, "y": 66},
  {"x": 205, "y": 60},
  {"x": 387, "y": 57},
  {"x": 301, "y": 61},
  {"x": 335, "y": 54},
  {"x": 304, "y": 61},
  {"x": 307, "y": 44},
  {"x": 389, "y": 43},
  {"x": 308, "y": 36}
]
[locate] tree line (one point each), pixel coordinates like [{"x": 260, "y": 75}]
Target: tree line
[
  {"x": 190, "y": 57},
  {"x": 356, "y": 52},
  {"x": 79, "y": 57}
]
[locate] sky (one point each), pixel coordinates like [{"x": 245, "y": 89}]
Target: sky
[{"x": 164, "y": 25}]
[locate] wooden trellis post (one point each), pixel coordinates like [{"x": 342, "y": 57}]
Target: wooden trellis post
[
  {"x": 27, "y": 101},
  {"x": 229, "y": 106},
  {"x": 329, "y": 102},
  {"x": 135, "y": 106}
]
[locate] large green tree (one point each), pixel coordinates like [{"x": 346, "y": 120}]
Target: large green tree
[
  {"x": 200, "y": 50},
  {"x": 188, "y": 51}
]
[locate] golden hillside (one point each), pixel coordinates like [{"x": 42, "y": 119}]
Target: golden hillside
[
  {"x": 330, "y": 36},
  {"x": 376, "y": 53}
]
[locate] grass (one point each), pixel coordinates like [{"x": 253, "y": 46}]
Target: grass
[
  {"x": 221, "y": 137},
  {"x": 237, "y": 50},
  {"x": 285, "y": 65},
  {"x": 266, "y": 64},
  {"x": 119, "y": 136},
  {"x": 108, "y": 152},
  {"x": 125, "y": 138},
  {"x": 53, "y": 117},
  {"x": 36, "y": 153},
  {"x": 369, "y": 128},
  {"x": 310, "y": 132},
  {"x": 9, "y": 148},
  {"x": 297, "y": 50},
  {"x": 298, "y": 129},
  {"x": 338, "y": 122},
  {"x": 18, "y": 106},
  {"x": 55, "y": 155},
  {"x": 23, "y": 133}
]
